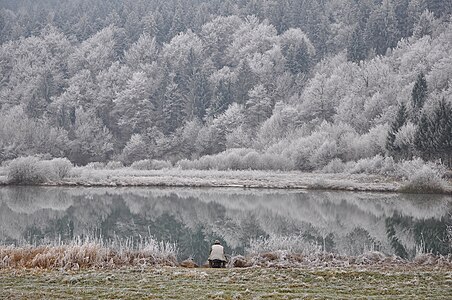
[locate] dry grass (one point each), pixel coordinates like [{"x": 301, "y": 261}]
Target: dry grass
[
  {"x": 371, "y": 259},
  {"x": 84, "y": 176},
  {"x": 87, "y": 254},
  {"x": 94, "y": 255}
]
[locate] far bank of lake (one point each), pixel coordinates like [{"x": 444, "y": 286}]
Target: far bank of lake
[{"x": 81, "y": 176}]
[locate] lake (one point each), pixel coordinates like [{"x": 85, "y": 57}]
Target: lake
[{"x": 348, "y": 223}]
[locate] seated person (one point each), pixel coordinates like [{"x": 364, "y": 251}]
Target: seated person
[{"x": 216, "y": 257}]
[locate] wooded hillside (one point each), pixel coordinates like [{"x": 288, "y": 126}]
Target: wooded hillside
[{"x": 293, "y": 84}]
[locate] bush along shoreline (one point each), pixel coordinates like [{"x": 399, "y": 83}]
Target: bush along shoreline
[{"x": 379, "y": 174}]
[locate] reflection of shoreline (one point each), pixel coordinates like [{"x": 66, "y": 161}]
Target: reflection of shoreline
[{"x": 232, "y": 214}]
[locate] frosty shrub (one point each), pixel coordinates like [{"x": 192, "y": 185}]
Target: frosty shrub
[
  {"x": 230, "y": 161},
  {"x": 238, "y": 159},
  {"x": 114, "y": 165},
  {"x": 334, "y": 166},
  {"x": 302, "y": 159},
  {"x": 368, "y": 165},
  {"x": 251, "y": 160},
  {"x": 60, "y": 167},
  {"x": 161, "y": 164},
  {"x": 427, "y": 179},
  {"x": 407, "y": 168},
  {"x": 388, "y": 166},
  {"x": 292, "y": 244},
  {"x": 32, "y": 170},
  {"x": 148, "y": 164},
  {"x": 275, "y": 162},
  {"x": 324, "y": 154},
  {"x": 95, "y": 165},
  {"x": 144, "y": 164},
  {"x": 27, "y": 170},
  {"x": 183, "y": 164},
  {"x": 374, "y": 165}
]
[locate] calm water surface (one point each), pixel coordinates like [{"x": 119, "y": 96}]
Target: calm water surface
[{"x": 340, "y": 222}]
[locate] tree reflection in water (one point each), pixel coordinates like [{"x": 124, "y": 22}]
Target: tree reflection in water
[{"x": 341, "y": 222}]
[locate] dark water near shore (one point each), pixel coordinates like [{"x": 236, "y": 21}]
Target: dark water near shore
[{"x": 340, "y": 222}]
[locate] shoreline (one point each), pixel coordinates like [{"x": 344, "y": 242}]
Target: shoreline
[
  {"x": 96, "y": 256},
  {"x": 82, "y": 177}
]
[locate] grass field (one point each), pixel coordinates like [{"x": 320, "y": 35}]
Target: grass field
[{"x": 248, "y": 283}]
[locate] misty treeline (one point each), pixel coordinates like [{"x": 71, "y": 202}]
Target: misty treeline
[{"x": 294, "y": 84}]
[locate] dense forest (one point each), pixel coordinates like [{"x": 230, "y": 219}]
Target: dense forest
[{"x": 291, "y": 84}]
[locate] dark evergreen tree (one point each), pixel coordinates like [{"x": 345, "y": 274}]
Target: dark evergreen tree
[
  {"x": 399, "y": 121},
  {"x": 173, "y": 108},
  {"x": 433, "y": 139},
  {"x": 381, "y": 28},
  {"x": 439, "y": 7},
  {"x": 403, "y": 23},
  {"x": 423, "y": 138},
  {"x": 246, "y": 80},
  {"x": 202, "y": 96},
  {"x": 178, "y": 23},
  {"x": 418, "y": 95},
  {"x": 298, "y": 58},
  {"x": 315, "y": 22},
  {"x": 357, "y": 48},
  {"x": 442, "y": 131},
  {"x": 222, "y": 99}
]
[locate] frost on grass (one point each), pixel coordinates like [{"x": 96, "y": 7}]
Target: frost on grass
[
  {"x": 90, "y": 253},
  {"x": 374, "y": 174},
  {"x": 296, "y": 252}
]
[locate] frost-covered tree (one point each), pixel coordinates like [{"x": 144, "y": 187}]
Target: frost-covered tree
[
  {"x": 217, "y": 35},
  {"x": 135, "y": 149},
  {"x": 34, "y": 70},
  {"x": 134, "y": 105},
  {"x": 298, "y": 51},
  {"x": 144, "y": 51},
  {"x": 92, "y": 140},
  {"x": 258, "y": 108},
  {"x": 21, "y": 135},
  {"x": 95, "y": 54},
  {"x": 165, "y": 70},
  {"x": 173, "y": 107}
]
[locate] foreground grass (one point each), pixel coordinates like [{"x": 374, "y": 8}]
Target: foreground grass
[{"x": 249, "y": 283}]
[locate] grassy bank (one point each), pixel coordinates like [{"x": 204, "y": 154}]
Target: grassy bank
[
  {"x": 249, "y": 283},
  {"x": 81, "y": 176},
  {"x": 377, "y": 174}
]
